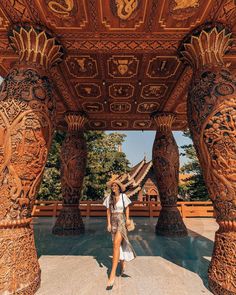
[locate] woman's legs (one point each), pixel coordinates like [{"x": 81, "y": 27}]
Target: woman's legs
[{"x": 116, "y": 255}]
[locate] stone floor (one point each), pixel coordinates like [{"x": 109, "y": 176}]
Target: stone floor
[{"x": 164, "y": 266}]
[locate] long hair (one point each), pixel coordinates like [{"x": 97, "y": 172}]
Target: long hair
[{"x": 112, "y": 199}]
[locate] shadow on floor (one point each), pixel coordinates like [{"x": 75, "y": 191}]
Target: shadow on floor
[{"x": 187, "y": 252}]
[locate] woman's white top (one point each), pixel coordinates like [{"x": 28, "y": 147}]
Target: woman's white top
[{"x": 119, "y": 208}]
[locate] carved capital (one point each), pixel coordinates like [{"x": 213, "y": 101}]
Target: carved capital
[
  {"x": 35, "y": 45},
  {"x": 75, "y": 121},
  {"x": 206, "y": 45},
  {"x": 164, "y": 121}
]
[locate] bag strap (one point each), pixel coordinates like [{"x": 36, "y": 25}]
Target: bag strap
[{"x": 123, "y": 203}]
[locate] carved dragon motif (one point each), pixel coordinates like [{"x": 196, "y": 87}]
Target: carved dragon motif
[
  {"x": 125, "y": 8},
  {"x": 181, "y": 4},
  {"x": 58, "y": 8}
]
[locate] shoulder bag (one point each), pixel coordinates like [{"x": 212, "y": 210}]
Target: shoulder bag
[{"x": 131, "y": 226}]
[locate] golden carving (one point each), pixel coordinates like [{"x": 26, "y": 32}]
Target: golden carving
[
  {"x": 75, "y": 121},
  {"x": 206, "y": 48},
  {"x": 63, "y": 10},
  {"x": 36, "y": 46},
  {"x": 164, "y": 121},
  {"x": 181, "y": 4},
  {"x": 125, "y": 8},
  {"x": 122, "y": 65}
]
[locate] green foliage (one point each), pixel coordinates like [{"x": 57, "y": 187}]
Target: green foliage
[
  {"x": 50, "y": 188},
  {"x": 103, "y": 160},
  {"x": 194, "y": 185}
]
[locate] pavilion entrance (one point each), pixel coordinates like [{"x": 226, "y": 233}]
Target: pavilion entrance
[{"x": 110, "y": 68}]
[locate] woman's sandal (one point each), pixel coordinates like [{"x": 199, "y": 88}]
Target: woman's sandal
[{"x": 110, "y": 286}]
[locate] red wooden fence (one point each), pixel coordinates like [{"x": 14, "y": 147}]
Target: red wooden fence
[{"x": 137, "y": 208}]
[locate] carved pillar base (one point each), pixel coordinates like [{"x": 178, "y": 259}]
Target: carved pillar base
[
  {"x": 20, "y": 272},
  {"x": 170, "y": 223},
  {"x": 221, "y": 273},
  {"x": 69, "y": 222}
]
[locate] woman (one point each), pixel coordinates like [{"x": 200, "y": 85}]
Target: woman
[{"x": 116, "y": 224}]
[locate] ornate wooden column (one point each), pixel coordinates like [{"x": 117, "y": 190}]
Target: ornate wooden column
[
  {"x": 212, "y": 121},
  {"x": 165, "y": 157},
  {"x": 27, "y": 111},
  {"x": 73, "y": 166}
]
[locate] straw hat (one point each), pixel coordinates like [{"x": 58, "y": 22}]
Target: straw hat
[{"x": 117, "y": 181}]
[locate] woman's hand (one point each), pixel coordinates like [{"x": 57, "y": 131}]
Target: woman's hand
[
  {"x": 109, "y": 228},
  {"x": 127, "y": 222}
]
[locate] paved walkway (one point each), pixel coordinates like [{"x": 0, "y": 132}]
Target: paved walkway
[{"x": 164, "y": 266}]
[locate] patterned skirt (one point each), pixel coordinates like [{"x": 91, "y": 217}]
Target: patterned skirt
[{"x": 127, "y": 252}]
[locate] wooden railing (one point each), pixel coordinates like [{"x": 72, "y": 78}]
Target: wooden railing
[{"x": 137, "y": 208}]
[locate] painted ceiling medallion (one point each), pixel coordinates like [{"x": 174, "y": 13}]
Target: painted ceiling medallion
[
  {"x": 97, "y": 124},
  {"x": 154, "y": 91},
  {"x": 147, "y": 107},
  {"x": 118, "y": 107},
  {"x": 123, "y": 66},
  {"x": 124, "y": 9},
  {"x": 83, "y": 66},
  {"x": 88, "y": 90},
  {"x": 142, "y": 124},
  {"x": 119, "y": 124},
  {"x": 117, "y": 90}
]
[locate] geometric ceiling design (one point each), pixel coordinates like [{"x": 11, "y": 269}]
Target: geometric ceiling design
[{"x": 121, "y": 60}]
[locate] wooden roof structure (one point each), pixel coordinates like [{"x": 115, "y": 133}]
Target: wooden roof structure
[
  {"x": 121, "y": 62},
  {"x": 133, "y": 180}
]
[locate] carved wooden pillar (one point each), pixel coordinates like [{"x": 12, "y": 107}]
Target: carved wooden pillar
[
  {"x": 212, "y": 121},
  {"x": 27, "y": 111},
  {"x": 73, "y": 166},
  {"x": 165, "y": 157}
]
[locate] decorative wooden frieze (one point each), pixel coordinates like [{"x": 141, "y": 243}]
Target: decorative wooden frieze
[
  {"x": 212, "y": 122},
  {"x": 165, "y": 156}
]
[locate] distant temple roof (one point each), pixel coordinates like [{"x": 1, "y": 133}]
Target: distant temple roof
[{"x": 132, "y": 180}]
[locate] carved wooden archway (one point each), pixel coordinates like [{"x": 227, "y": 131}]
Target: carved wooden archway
[{"x": 121, "y": 65}]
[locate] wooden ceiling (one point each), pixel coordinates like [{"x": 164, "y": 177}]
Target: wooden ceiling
[{"x": 121, "y": 60}]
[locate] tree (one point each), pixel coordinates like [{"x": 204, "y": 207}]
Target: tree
[
  {"x": 104, "y": 159},
  {"x": 194, "y": 185},
  {"x": 50, "y": 188}
]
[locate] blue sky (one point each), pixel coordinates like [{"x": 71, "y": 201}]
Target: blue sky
[{"x": 138, "y": 143}]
